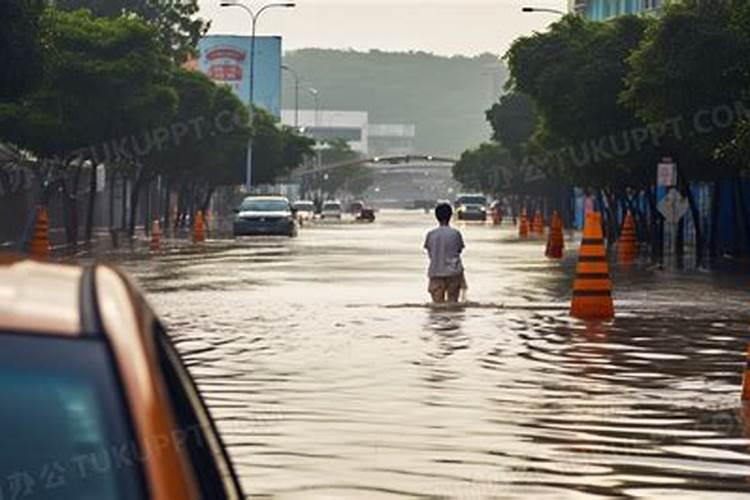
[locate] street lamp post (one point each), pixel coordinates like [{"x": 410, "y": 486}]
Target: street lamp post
[
  {"x": 254, "y": 16},
  {"x": 542, "y": 9},
  {"x": 315, "y": 93},
  {"x": 296, "y": 94}
]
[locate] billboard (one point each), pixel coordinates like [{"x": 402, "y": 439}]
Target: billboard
[{"x": 226, "y": 60}]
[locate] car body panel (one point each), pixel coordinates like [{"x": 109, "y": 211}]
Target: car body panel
[
  {"x": 40, "y": 298},
  {"x": 169, "y": 475},
  {"x": 98, "y": 303}
]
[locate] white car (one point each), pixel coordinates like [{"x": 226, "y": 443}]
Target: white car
[
  {"x": 304, "y": 209},
  {"x": 265, "y": 216},
  {"x": 331, "y": 210}
]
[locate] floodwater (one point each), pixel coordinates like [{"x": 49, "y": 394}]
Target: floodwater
[{"x": 331, "y": 378}]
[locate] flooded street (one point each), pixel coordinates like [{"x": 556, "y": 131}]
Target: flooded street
[{"x": 330, "y": 376}]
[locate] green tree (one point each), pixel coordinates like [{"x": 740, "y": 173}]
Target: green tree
[
  {"x": 179, "y": 29},
  {"x": 348, "y": 177},
  {"x": 277, "y": 150},
  {"x": 105, "y": 80},
  {"x": 21, "y": 42},
  {"x": 690, "y": 63},
  {"x": 513, "y": 121},
  {"x": 484, "y": 169},
  {"x": 574, "y": 75},
  {"x": 337, "y": 151}
]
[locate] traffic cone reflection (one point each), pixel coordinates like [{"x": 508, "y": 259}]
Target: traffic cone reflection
[
  {"x": 626, "y": 245},
  {"x": 155, "y": 236},
  {"x": 39, "y": 244},
  {"x": 746, "y": 377},
  {"x": 555, "y": 241},
  {"x": 523, "y": 226},
  {"x": 537, "y": 225},
  {"x": 592, "y": 290},
  {"x": 199, "y": 231}
]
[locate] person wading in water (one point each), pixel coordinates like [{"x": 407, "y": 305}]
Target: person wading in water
[{"x": 444, "y": 245}]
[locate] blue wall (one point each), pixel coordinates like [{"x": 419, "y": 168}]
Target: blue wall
[
  {"x": 226, "y": 60},
  {"x": 600, "y": 10}
]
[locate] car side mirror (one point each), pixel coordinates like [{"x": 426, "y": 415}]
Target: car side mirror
[{"x": 236, "y": 210}]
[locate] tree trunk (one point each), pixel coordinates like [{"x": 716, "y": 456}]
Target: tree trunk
[
  {"x": 91, "y": 205},
  {"x": 148, "y": 217},
  {"x": 112, "y": 201},
  {"x": 124, "y": 202},
  {"x": 715, "y": 205},
  {"x": 73, "y": 206},
  {"x": 657, "y": 228},
  {"x": 167, "y": 199},
  {"x": 134, "y": 198},
  {"x": 744, "y": 219},
  {"x": 207, "y": 199},
  {"x": 679, "y": 240}
]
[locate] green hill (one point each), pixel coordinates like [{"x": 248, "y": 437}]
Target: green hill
[{"x": 444, "y": 96}]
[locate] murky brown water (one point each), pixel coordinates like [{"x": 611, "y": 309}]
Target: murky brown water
[{"x": 330, "y": 378}]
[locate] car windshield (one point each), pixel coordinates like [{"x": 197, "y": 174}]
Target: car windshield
[
  {"x": 61, "y": 417},
  {"x": 332, "y": 206},
  {"x": 304, "y": 205},
  {"x": 264, "y": 205},
  {"x": 472, "y": 200}
]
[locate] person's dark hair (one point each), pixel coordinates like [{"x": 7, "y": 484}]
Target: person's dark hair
[{"x": 443, "y": 213}]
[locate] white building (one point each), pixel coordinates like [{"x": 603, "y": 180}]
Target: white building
[
  {"x": 392, "y": 139},
  {"x": 351, "y": 126}
]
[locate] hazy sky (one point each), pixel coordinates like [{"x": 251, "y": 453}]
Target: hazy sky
[{"x": 446, "y": 27}]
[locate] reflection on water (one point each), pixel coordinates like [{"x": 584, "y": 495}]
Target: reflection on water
[{"x": 331, "y": 378}]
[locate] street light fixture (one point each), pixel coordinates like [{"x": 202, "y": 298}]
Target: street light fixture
[
  {"x": 296, "y": 94},
  {"x": 254, "y": 16},
  {"x": 542, "y": 9},
  {"x": 315, "y": 93}
]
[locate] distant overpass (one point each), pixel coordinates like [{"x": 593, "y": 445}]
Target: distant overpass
[{"x": 394, "y": 164}]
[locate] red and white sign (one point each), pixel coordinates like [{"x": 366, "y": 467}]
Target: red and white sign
[
  {"x": 666, "y": 173},
  {"x": 225, "y": 64}
]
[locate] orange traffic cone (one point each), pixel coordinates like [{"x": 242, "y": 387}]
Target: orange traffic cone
[
  {"x": 39, "y": 244},
  {"x": 523, "y": 226},
  {"x": 537, "y": 225},
  {"x": 555, "y": 241},
  {"x": 626, "y": 246},
  {"x": 746, "y": 377},
  {"x": 199, "y": 232},
  {"x": 155, "y": 236},
  {"x": 592, "y": 291}
]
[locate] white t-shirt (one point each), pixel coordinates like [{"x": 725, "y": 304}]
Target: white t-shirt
[{"x": 444, "y": 246}]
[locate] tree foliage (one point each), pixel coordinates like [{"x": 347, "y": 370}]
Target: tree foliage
[
  {"x": 178, "y": 27},
  {"x": 483, "y": 169},
  {"x": 691, "y": 63},
  {"x": 21, "y": 43},
  {"x": 513, "y": 120},
  {"x": 104, "y": 79},
  {"x": 574, "y": 74}
]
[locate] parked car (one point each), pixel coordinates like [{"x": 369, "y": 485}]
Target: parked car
[
  {"x": 304, "y": 209},
  {"x": 265, "y": 215},
  {"x": 356, "y": 207},
  {"x": 331, "y": 210},
  {"x": 471, "y": 207},
  {"x": 366, "y": 214},
  {"x": 89, "y": 377}
]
